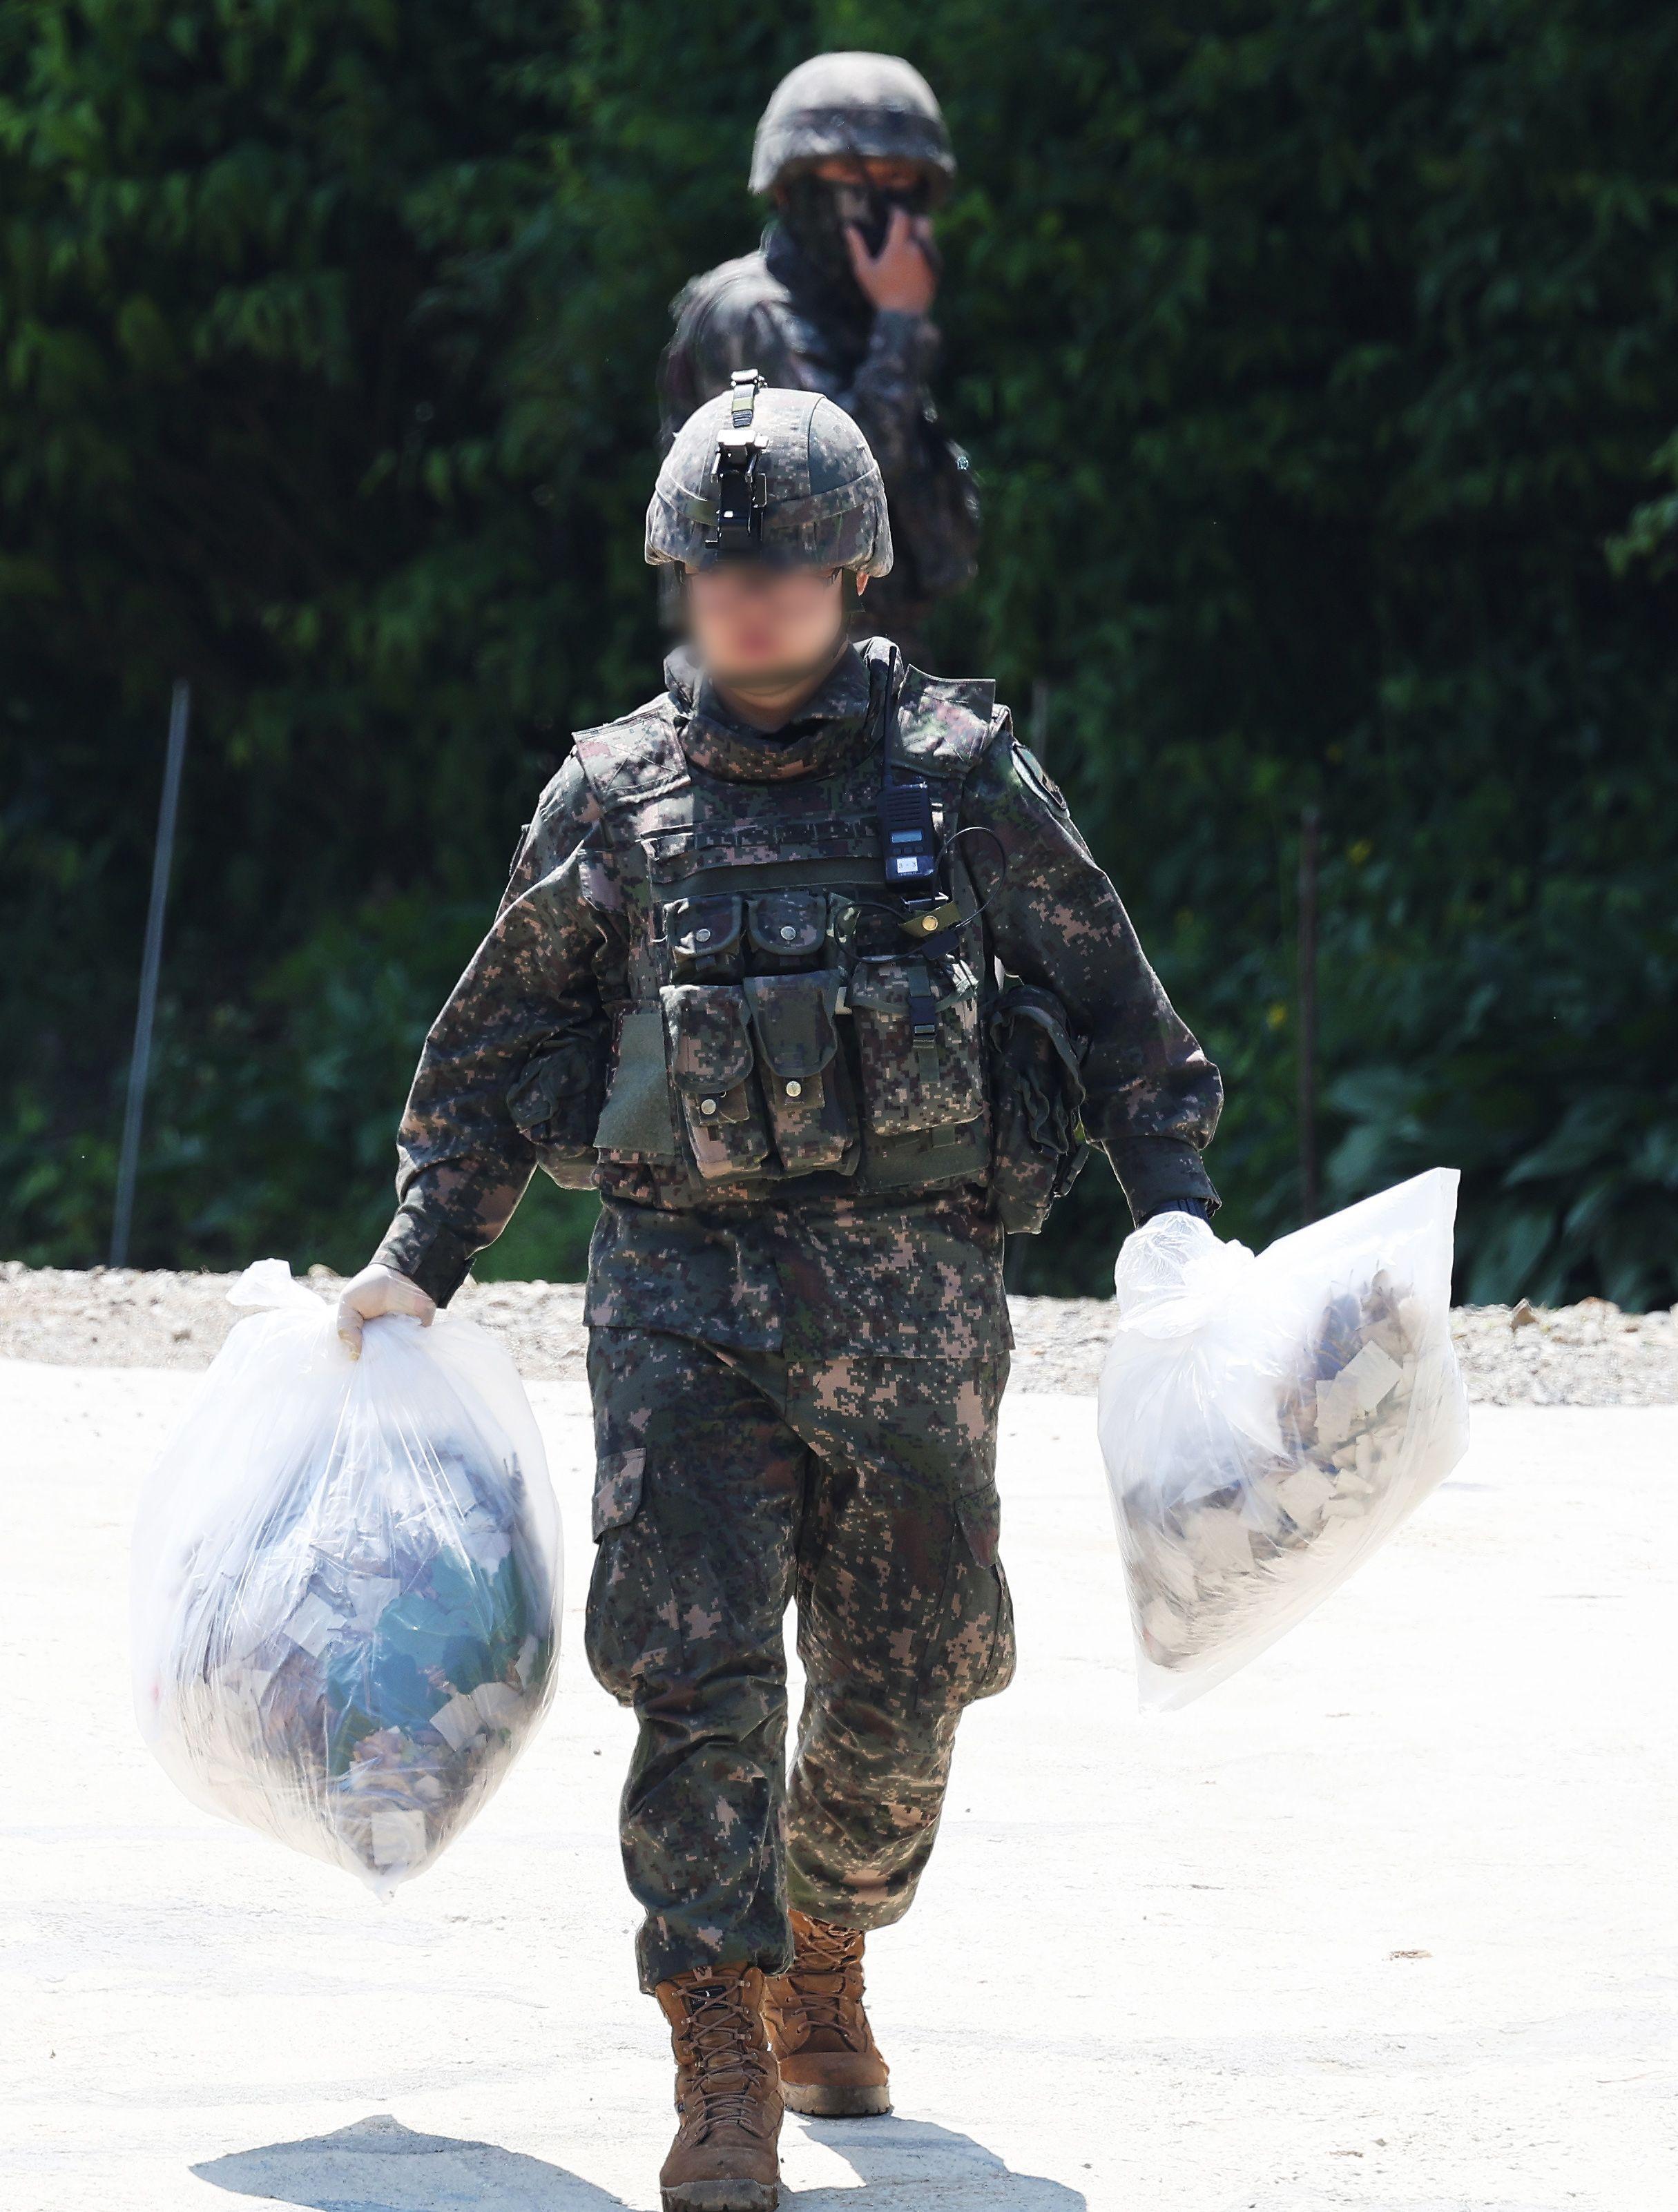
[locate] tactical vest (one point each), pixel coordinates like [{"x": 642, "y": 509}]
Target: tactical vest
[{"x": 788, "y": 1016}]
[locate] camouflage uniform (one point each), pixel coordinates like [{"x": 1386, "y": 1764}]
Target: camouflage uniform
[
  {"x": 733, "y": 1484},
  {"x": 811, "y": 1106},
  {"x": 794, "y": 311}
]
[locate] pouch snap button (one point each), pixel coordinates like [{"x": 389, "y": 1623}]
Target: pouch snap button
[
  {"x": 702, "y": 937},
  {"x": 796, "y": 1090},
  {"x": 788, "y": 932},
  {"x": 708, "y": 1105}
]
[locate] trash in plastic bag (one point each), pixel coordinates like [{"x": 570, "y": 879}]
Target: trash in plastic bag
[
  {"x": 345, "y": 1582},
  {"x": 1267, "y": 1422}
]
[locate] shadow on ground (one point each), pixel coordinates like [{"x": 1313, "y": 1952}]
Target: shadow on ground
[
  {"x": 380, "y": 2165},
  {"x": 904, "y": 2165}
]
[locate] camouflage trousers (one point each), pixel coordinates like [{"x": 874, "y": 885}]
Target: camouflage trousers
[{"x": 729, "y": 1485}]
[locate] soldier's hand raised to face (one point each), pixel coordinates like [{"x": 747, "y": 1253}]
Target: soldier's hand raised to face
[
  {"x": 901, "y": 277},
  {"x": 376, "y": 1291}
]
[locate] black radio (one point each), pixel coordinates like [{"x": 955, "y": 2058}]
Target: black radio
[{"x": 909, "y": 839}]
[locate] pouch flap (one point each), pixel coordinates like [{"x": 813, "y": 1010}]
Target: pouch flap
[
  {"x": 883, "y": 987},
  {"x": 709, "y": 1035},
  {"x": 787, "y": 923},
  {"x": 1025, "y": 1007},
  {"x": 793, "y": 1017},
  {"x": 534, "y": 1098},
  {"x": 702, "y": 928}
]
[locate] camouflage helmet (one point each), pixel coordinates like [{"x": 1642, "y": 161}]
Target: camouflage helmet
[
  {"x": 867, "y": 106},
  {"x": 762, "y": 475}
]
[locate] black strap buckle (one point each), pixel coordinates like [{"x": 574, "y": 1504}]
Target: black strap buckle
[{"x": 923, "y": 1021}]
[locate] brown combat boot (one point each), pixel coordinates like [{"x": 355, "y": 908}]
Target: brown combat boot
[
  {"x": 723, "y": 2159},
  {"x": 829, "y": 2061}
]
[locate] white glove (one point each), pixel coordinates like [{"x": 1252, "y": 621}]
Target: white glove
[{"x": 379, "y": 1291}]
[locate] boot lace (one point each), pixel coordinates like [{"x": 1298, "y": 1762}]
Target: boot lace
[
  {"x": 823, "y": 1991},
  {"x": 724, "y": 2059}
]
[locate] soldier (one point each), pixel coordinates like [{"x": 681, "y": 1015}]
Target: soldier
[
  {"x": 853, "y": 151},
  {"x": 804, "y": 964}
]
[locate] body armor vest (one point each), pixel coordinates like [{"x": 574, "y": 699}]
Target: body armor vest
[{"x": 789, "y": 1018}]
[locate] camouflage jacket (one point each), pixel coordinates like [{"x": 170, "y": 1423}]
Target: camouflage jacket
[
  {"x": 771, "y": 311},
  {"x": 699, "y": 996}
]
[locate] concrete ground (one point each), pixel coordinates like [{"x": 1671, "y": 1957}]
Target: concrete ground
[{"x": 1386, "y": 1923}]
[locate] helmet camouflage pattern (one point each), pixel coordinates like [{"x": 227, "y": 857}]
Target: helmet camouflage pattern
[
  {"x": 758, "y": 474},
  {"x": 868, "y": 105}
]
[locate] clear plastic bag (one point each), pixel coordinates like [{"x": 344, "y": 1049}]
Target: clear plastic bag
[
  {"x": 1267, "y": 1422},
  {"x": 345, "y": 1582}
]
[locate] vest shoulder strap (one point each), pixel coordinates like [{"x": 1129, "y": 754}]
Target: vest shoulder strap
[
  {"x": 632, "y": 760},
  {"x": 943, "y": 723}
]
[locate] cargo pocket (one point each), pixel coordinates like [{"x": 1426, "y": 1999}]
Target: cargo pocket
[
  {"x": 990, "y": 1612},
  {"x": 802, "y": 1075},
  {"x": 968, "y": 1652},
  {"x": 626, "y": 1627},
  {"x": 704, "y": 937},
  {"x": 787, "y": 929},
  {"x": 711, "y": 1062},
  {"x": 917, "y": 1035}
]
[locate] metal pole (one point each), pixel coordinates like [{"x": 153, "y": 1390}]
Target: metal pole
[
  {"x": 139, "y": 1066},
  {"x": 1310, "y": 1179}
]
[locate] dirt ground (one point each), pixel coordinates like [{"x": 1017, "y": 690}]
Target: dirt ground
[
  {"x": 1384, "y": 1924},
  {"x": 1584, "y": 1355}
]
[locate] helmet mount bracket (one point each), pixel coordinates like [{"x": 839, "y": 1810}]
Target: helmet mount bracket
[{"x": 742, "y": 487}]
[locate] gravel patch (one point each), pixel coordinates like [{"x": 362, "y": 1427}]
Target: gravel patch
[
  {"x": 130, "y": 1317},
  {"x": 1589, "y": 1354}
]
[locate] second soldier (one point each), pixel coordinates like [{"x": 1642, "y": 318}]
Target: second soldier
[{"x": 853, "y": 157}]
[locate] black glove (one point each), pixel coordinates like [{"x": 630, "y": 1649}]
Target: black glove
[{"x": 1199, "y": 1207}]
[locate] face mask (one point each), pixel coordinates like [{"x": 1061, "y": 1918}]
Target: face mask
[{"x": 817, "y": 214}]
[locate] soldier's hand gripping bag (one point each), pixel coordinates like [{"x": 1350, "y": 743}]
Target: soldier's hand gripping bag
[
  {"x": 1267, "y": 1422},
  {"x": 345, "y": 1580}
]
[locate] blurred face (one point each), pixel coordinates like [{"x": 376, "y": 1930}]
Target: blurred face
[{"x": 757, "y": 630}]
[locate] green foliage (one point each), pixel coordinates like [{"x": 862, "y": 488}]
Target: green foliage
[
  {"x": 1652, "y": 533},
  {"x": 1317, "y": 356}
]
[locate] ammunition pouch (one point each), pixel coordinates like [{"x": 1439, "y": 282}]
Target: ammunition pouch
[
  {"x": 706, "y": 937},
  {"x": 785, "y": 930},
  {"x": 917, "y": 1038},
  {"x": 761, "y": 1079},
  {"x": 712, "y": 1066},
  {"x": 766, "y": 1083},
  {"x": 805, "y": 1081},
  {"x": 1038, "y": 1145}
]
